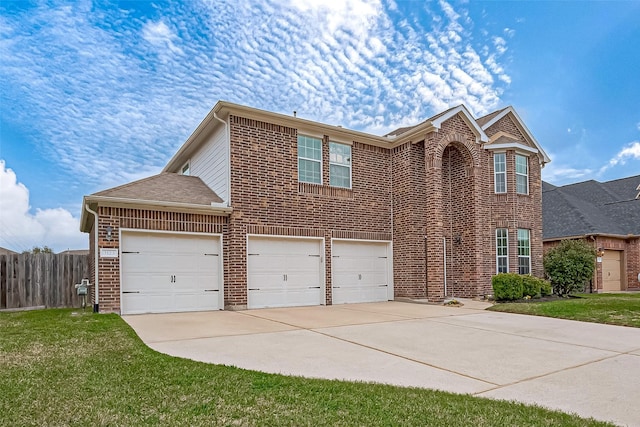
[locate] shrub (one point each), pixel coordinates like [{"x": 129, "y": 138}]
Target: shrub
[
  {"x": 569, "y": 266},
  {"x": 531, "y": 286},
  {"x": 545, "y": 288},
  {"x": 507, "y": 286}
]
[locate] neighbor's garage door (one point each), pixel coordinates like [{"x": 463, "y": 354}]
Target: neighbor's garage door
[
  {"x": 360, "y": 271},
  {"x": 164, "y": 273},
  {"x": 611, "y": 268},
  {"x": 284, "y": 272}
]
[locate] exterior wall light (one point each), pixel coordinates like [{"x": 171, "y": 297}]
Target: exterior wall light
[{"x": 109, "y": 233}]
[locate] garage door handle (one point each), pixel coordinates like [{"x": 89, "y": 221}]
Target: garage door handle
[
  {"x": 130, "y": 292},
  {"x": 254, "y": 289},
  {"x": 130, "y": 252},
  {"x": 382, "y": 286},
  {"x": 211, "y": 290},
  {"x": 314, "y": 255},
  {"x": 336, "y": 287},
  {"x": 210, "y": 254},
  {"x": 314, "y": 287}
]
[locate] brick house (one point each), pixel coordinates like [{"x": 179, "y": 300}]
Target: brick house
[
  {"x": 607, "y": 216},
  {"x": 259, "y": 209}
]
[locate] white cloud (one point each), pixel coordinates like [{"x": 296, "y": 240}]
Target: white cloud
[
  {"x": 560, "y": 174},
  {"x": 630, "y": 151},
  {"x": 509, "y": 32},
  {"x": 20, "y": 229},
  {"x": 113, "y": 98}
]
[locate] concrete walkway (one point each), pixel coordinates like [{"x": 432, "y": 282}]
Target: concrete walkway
[{"x": 586, "y": 368}]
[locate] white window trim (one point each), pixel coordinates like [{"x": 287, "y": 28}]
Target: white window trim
[
  {"x": 311, "y": 160},
  {"x": 340, "y": 164},
  {"x": 521, "y": 174},
  {"x": 187, "y": 166},
  {"x": 518, "y": 247},
  {"x": 495, "y": 174},
  {"x": 498, "y": 256}
]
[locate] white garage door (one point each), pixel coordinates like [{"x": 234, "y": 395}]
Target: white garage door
[
  {"x": 360, "y": 271},
  {"x": 164, "y": 273},
  {"x": 284, "y": 272}
]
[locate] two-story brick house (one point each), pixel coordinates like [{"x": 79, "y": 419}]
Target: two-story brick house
[{"x": 259, "y": 209}]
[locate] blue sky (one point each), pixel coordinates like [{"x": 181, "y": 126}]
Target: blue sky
[{"x": 96, "y": 94}]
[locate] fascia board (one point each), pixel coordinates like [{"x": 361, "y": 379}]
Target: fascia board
[
  {"x": 173, "y": 206},
  {"x": 437, "y": 123},
  {"x": 514, "y": 145}
]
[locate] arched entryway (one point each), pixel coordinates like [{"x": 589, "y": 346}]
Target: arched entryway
[{"x": 458, "y": 220}]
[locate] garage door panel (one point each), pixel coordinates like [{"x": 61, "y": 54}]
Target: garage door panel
[
  {"x": 283, "y": 272},
  {"x": 360, "y": 271},
  {"x": 169, "y": 272}
]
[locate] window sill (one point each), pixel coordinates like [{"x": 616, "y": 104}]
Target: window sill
[{"x": 324, "y": 190}]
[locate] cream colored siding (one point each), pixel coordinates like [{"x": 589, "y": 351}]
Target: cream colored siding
[{"x": 210, "y": 163}]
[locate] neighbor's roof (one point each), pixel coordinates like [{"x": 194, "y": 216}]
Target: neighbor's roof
[
  {"x": 165, "y": 187},
  {"x": 591, "y": 207}
]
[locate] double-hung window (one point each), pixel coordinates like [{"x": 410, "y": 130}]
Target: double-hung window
[
  {"x": 522, "y": 174},
  {"x": 524, "y": 252},
  {"x": 500, "y": 172},
  {"x": 502, "y": 250},
  {"x": 309, "y": 159},
  {"x": 339, "y": 165}
]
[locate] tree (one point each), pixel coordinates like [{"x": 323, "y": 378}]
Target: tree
[
  {"x": 569, "y": 266},
  {"x": 39, "y": 250}
]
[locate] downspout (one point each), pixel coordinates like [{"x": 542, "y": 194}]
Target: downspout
[
  {"x": 96, "y": 304},
  {"x": 228, "y": 134},
  {"x": 444, "y": 245}
]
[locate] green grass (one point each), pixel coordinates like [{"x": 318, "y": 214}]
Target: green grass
[
  {"x": 58, "y": 368},
  {"x": 613, "y": 309}
]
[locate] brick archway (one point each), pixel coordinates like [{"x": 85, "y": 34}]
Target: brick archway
[{"x": 451, "y": 222}]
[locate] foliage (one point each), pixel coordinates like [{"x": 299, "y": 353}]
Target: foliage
[
  {"x": 545, "y": 288},
  {"x": 507, "y": 286},
  {"x": 613, "y": 309},
  {"x": 60, "y": 367},
  {"x": 40, "y": 250},
  {"x": 531, "y": 286},
  {"x": 569, "y": 266}
]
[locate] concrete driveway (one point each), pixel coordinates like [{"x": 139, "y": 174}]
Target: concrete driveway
[{"x": 586, "y": 368}]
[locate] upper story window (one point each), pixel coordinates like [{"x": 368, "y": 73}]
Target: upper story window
[
  {"x": 309, "y": 159},
  {"x": 522, "y": 174},
  {"x": 500, "y": 172},
  {"x": 524, "y": 251},
  {"x": 502, "y": 250},
  {"x": 186, "y": 169},
  {"x": 339, "y": 165}
]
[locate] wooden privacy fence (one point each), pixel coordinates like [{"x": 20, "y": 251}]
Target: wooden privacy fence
[{"x": 32, "y": 280}]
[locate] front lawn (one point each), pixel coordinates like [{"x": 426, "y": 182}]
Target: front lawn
[
  {"x": 58, "y": 367},
  {"x": 613, "y": 309}
]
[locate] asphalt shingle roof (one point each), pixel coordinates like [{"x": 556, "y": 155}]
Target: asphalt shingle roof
[
  {"x": 165, "y": 187},
  {"x": 591, "y": 207}
]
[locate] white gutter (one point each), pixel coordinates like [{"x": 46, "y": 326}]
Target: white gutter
[
  {"x": 213, "y": 208},
  {"x": 228, "y": 132},
  {"x": 96, "y": 305},
  {"x": 444, "y": 245}
]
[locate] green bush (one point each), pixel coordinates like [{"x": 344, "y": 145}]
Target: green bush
[
  {"x": 569, "y": 266},
  {"x": 507, "y": 286},
  {"x": 531, "y": 286},
  {"x": 545, "y": 288}
]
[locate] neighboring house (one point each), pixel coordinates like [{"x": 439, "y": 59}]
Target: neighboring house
[
  {"x": 5, "y": 251},
  {"x": 74, "y": 252},
  {"x": 259, "y": 209},
  {"x": 605, "y": 214}
]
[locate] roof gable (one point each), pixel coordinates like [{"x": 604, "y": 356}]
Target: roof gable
[{"x": 491, "y": 119}]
